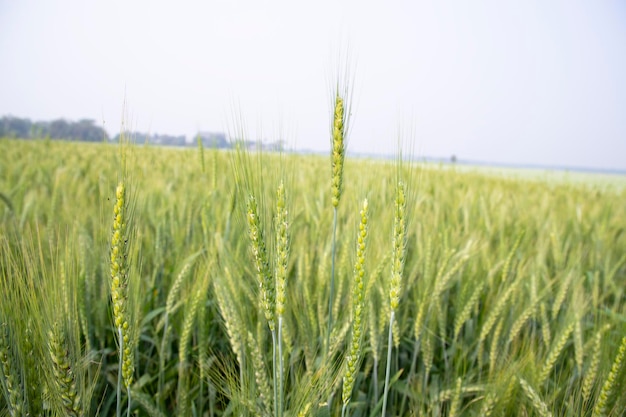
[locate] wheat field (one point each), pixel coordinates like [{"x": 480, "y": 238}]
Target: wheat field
[{"x": 202, "y": 287}]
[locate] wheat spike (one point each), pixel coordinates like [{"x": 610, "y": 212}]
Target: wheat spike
[
  {"x": 261, "y": 261},
  {"x": 534, "y": 398},
  {"x": 608, "y": 389},
  {"x": 64, "y": 378},
  {"x": 354, "y": 356},
  {"x": 338, "y": 150},
  {"x": 554, "y": 354},
  {"x": 120, "y": 281}
]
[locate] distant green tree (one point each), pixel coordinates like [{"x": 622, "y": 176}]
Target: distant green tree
[
  {"x": 14, "y": 127},
  {"x": 83, "y": 130}
]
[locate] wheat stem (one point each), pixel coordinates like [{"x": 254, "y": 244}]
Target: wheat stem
[
  {"x": 388, "y": 368},
  {"x": 118, "y": 409},
  {"x": 280, "y": 368},
  {"x": 275, "y": 372},
  {"x": 397, "y": 269},
  {"x": 332, "y": 282}
]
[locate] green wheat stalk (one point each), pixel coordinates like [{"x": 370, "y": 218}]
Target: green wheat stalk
[
  {"x": 266, "y": 283},
  {"x": 397, "y": 268},
  {"x": 282, "y": 258},
  {"x": 338, "y": 145},
  {"x": 119, "y": 293},
  {"x": 354, "y": 355}
]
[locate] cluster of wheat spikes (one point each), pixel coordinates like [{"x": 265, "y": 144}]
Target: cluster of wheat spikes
[{"x": 154, "y": 282}]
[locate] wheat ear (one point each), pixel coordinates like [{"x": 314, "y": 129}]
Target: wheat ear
[
  {"x": 554, "y": 354},
  {"x": 64, "y": 378},
  {"x": 455, "y": 405},
  {"x": 397, "y": 269},
  {"x": 487, "y": 405},
  {"x": 119, "y": 291},
  {"x": 282, "y": 258},
  {"x": 10, "y": 378},
  {"x": 261, "y": 262},
  {"x": 467, "y": 308},
  {"x": 266, "y": 283},
  {"x": 353, "y": 358},
  {"x": 338, "y": 150},
  {"x": 170, "y": 307},
  {"x": 534, "y": 398},
  {"x": 191, "y": 312},
  {"x": 592, "y": 371},
  {"x": 608, "y": 389},
  {"x": 337, "y": 158},
  {"x": 260, "y": 374}
]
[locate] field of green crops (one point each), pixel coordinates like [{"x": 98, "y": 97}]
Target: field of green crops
[{"x": 510, "y": 292}]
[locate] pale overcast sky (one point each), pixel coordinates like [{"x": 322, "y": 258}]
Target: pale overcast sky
[{"x": 527, "y": 82}]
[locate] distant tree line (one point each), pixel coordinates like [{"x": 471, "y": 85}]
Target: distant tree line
[
  {"x": 87, "y": 130},
  {"x": 141, "y": 138},
  {"x": 213, "y": 140},
  {"x": 84, "y": 130},
  {"x": 208, "y": 139}
]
